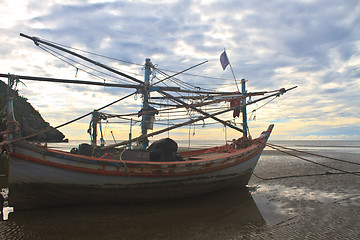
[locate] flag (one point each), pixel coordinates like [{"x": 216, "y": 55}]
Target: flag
[{"x": 224, "y": 60}]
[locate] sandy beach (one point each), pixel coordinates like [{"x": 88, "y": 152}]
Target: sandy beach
[{"x": 301, "y": 200}]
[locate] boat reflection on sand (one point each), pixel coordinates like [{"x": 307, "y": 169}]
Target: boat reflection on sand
[{"x": 227, "y": 213}]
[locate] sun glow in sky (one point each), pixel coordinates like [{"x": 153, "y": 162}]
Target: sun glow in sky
[{"x": 314, "y": 45}]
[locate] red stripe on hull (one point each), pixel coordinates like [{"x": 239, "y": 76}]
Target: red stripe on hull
[{"x": 143, "y": 174}]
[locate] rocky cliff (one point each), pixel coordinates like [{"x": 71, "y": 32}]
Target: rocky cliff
[{"x": 29, "y": 119}]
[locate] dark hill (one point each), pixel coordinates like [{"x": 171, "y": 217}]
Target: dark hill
[{"x": 29, "y": 119}]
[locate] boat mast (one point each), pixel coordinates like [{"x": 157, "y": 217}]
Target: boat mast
[
  {"x": 146, "y": 95},
  {"x": 94, "y": 121},
  {"x": 243, "y": 109}
]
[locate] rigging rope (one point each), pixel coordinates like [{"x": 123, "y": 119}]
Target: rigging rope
[
  {"x": 180, "y": 82},
  {"x": 128, "y": 62},
  {"x": 131, "y": 63},
  {"x": 96, "y": 54},
  {"x": 57, "y": 55},
  {"x": 137, "y": 64},
  {"x": 253, "y": 111},
  {"x": 196, "y": 75},
  {"x": 74, "y": 120}
]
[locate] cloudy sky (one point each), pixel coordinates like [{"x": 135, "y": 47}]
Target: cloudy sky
[{"x": 312, "y": 44}]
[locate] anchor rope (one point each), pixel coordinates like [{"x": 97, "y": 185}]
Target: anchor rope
[
  {"x": 317, "y": 155},
  {"x": 277, "y": 147},
  {"x": 320, "y": 164},
  {"x": 301, "y": 175}
]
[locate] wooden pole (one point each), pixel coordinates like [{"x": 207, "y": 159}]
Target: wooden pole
[
  {"x": 232, "y": 72},
  {"x": 243, "y": 109}
]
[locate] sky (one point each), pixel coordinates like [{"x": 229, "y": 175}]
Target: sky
[{"x": 312, "y": 44}]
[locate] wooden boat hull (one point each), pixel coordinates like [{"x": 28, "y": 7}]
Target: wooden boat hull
[{"x": 41, "y": 177}]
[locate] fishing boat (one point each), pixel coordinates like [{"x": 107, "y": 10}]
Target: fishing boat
[{"x": 99, "y": 174}]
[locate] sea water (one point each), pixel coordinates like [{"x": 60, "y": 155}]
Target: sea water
[{"x": 299, "y": 200}]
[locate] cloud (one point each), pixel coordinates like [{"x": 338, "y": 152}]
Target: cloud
[{"x": 273, "y": 44}]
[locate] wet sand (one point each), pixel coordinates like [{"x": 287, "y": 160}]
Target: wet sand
[{"x": 321, "y": 206}]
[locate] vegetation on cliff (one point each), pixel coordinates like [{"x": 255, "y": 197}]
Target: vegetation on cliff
[{"x": 29, "y": 119}]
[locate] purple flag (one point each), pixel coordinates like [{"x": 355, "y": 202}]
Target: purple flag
[{"x": 224, "y": 60}]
